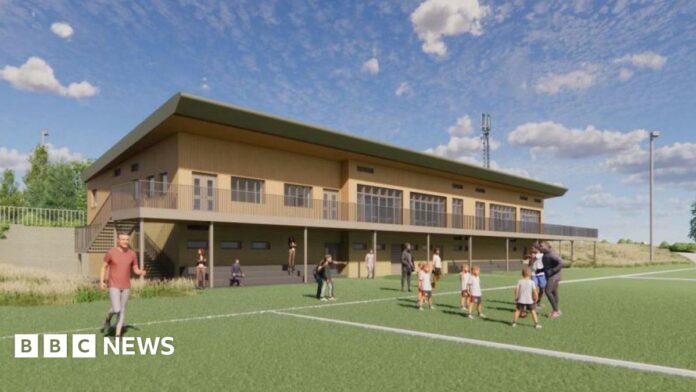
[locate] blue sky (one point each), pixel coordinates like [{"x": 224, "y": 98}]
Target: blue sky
[{"x": 573, "y": 86}]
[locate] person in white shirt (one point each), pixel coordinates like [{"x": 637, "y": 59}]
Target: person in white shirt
[
  {"x": 437, "y": 266},
  {"x": 464, "y": 276},
  {"x": 370, "y": 264},
  {"x": 526, "y": 295},
  {"x": 474, "y": 285},
  {"x": 425, "y": 287}
]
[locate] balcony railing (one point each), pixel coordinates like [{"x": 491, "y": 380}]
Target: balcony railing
[{"x": 192, "y": 198}]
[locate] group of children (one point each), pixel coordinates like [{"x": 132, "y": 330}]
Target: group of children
[{"x": 527, "y": 292}]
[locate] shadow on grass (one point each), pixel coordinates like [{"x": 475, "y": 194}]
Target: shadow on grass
[
  {"x": 389, "y": 289},
  {"x": 124, "y": 331},
  {"x": 453, "y": 313},
  {"x": 511, "y": 310},
  {"x": 490, "y": 320},
  {"x": 501, "y": 302},
  {"x": 310, "y": 296},
  {"x": 413, "y": 306}
]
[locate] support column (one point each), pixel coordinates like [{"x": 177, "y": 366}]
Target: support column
[
  {"x": 211, "y": 254},
  {"x": 115, "y": 235},
  {"x": 427, "y": 245},
  {"x": 507, "y": 254},
  {"x": 471, "y": 249},
  {"x": 572, "y": 251},
  {"x": 141, "y": 244},
  {"x": 374, "y": 249},
  {"x": 304, "y": 251},
  {"x": 594, "y": 252}
]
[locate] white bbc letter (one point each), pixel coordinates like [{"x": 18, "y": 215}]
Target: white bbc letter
[
  {"x": 55, "y": 346},
  {"x": 168, "y": 343},
  {"x": 128, "y": 346},
  {"x": 84, "y": 346},
  {"x": 27, "y": 346}
]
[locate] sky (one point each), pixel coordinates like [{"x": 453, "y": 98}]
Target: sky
[{"x": 573, "y": 87}]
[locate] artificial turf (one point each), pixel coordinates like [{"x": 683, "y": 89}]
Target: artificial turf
[{"x": 646, "y": 321}]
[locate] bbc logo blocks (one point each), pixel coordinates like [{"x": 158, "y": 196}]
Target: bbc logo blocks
[{"x": 55, "y": 346}]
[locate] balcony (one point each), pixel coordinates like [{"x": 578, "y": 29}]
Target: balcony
[{"x": 135, "y": 197}]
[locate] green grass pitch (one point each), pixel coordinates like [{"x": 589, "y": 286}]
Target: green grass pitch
[{"x": 638, "y": 320}]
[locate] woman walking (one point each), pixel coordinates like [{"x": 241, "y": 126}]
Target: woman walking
[
  {"x": 200, "y": 268},
  {"x": 370, "y": 264},
  {"x": 292, "y": 245}
]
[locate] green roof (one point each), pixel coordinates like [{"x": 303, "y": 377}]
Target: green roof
[{"x": 221, "y": 113}]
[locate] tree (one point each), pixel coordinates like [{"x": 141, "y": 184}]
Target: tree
[
  {"x": 64, "y": 187},
  {"x": 692, "y": 232},
  {"x": 35, "y": 179},
  {"x": 10, "y": 195},
  {"x": 664, "y": 245}
]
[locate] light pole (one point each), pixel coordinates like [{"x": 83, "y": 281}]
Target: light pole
[
  {"x": 44, "y": 135},
  {"x": 653, "y": 135}
]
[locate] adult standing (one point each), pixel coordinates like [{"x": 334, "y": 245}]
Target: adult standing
[
  {"x": 200, "y": 268},
  {"x": 407, "y": 266},
  {"x": 370, "y": 264},
  {"x": 319, "y": 276},
  {"x": 118, "y": 262},
  {"x": 437, "y": 266},
  {"x": 552, "y": 267},
  {"x": 237, "y": 274},
  {"x": 292, "y": 250}
]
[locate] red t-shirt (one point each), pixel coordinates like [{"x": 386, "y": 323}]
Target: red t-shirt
[{"x": 120, "y": 265}]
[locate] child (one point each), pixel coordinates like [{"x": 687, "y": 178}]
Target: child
[
  {"x": 474, "y": 286},
  {"x": 526, "y": 295},
  {"x": 425, "y": 287},
  {"x": 464, "y": 276},
  {"x": 539, "y": 277}
]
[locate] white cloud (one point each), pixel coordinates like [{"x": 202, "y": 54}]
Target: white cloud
[
  {"x": 675, "y": 164},
  {"x": 435, "y": 19},
  {"x": 555, "y": 139},
  {"x": 648, "y": 59},
  {"x": 62, "y": 29},
  {"x": 596, "y": 197},
  {"x": 462, "y": 127},
  {"x": 625, "y": 74},
  {"x": 404, "y": 89},
  {"x": 620, "y": 6},
  {"x": 515, "y": 171},
  {"x": 371, "y": 66},
  {"x": 37, "y": 76},
  {"x": 12, "y": 159},
  {"x": 460, "y": 146},
  {"x": 62, "y": 154},
  {"x": 579, "y": 79}
]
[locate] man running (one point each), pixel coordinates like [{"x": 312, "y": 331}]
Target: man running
[
  {"x": 118, "y": 262},
  {"x": 552, "y": 267}
]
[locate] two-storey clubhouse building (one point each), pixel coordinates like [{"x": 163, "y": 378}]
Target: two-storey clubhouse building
[{"x": 204, "y": 174}]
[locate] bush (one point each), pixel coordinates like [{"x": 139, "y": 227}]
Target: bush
[
  {"x": 683, "y": 247},
  {"x": 664, "y": 245}
]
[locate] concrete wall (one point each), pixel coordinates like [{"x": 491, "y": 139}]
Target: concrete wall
[{"x": 49, "y": 248}]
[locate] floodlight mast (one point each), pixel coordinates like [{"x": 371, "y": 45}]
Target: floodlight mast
[
  {"x": 653, "y": 135},
  {"x": 485, "y": 139}
]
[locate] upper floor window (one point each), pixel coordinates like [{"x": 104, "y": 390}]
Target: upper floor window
[
  {"x": 298, "y": 196},
  {"x": 164, "y": 180},
  {"x": 457, "y": 213},
  {"x": 379, "y": 205},
  {"x": 428, "y": 210},
  {"x": 503, "y": 218},
  {"x": 247, "y": 190},
  {"x": 530, "y": 220}
]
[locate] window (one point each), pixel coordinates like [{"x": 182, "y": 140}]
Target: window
[
  {"x": 381, "y": 246},
  {"x": 379, "y": 205},
  {"x": 164, "y": 179},
  {"x": 457, "y": 186},
  {"x": 260, "y": 245},
  {"x": 503, "y": 218},
  {"x": 197, "y": 228},
  {"x": 231, "y": 245},
  {"x": 360, "y": 246},
  {"x": 298, "y": 196},
  {"x": 150, "y": 191},
  {"x": 525, "y": 198},
  {"x": 458, "y": 248},
  {"x": 135, "y": 167},
  {"x": 246, "y": 190},
  {"x": 365, "y": 169},
  {"x": 428, "y": 210},
  {"x": 330, "y": 204},
  {"x": 531, "y": 220},
  {"x": 480, "y": 216},
  {"x": 480, "y": 190},
  {"x": 94, "y": 198},
  {"x": 196, "y": 244},
  {"x": 537, "y": 200},
  {"x": 117, "y": 172},
  {"x": 136, "y": 189},
  {"x": 457, "y": 213}
]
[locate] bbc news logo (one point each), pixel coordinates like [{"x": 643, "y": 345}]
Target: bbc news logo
[{"x": 85, "y": 346}]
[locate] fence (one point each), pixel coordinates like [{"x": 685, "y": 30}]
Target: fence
[{"x": 29, "y": 216}]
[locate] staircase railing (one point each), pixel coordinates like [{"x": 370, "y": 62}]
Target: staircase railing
[{"x": 86, "y": 235}]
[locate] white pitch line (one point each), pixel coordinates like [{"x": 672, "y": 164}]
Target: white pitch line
[
  {"x": 359, "y": 302},
  {"x": 656, "y": 278},
  {"x": 509, "y": 347}
]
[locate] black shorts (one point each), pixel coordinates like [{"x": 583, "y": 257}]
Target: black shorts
[
  {"x": 476, "y": 300},
  {"x": 437, "y": 271},
  {"x": 427, "y": 294},
  {"x": 525, "y": 307}
]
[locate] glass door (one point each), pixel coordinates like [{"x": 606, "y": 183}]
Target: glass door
[{"x": 204, "y": 192}]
